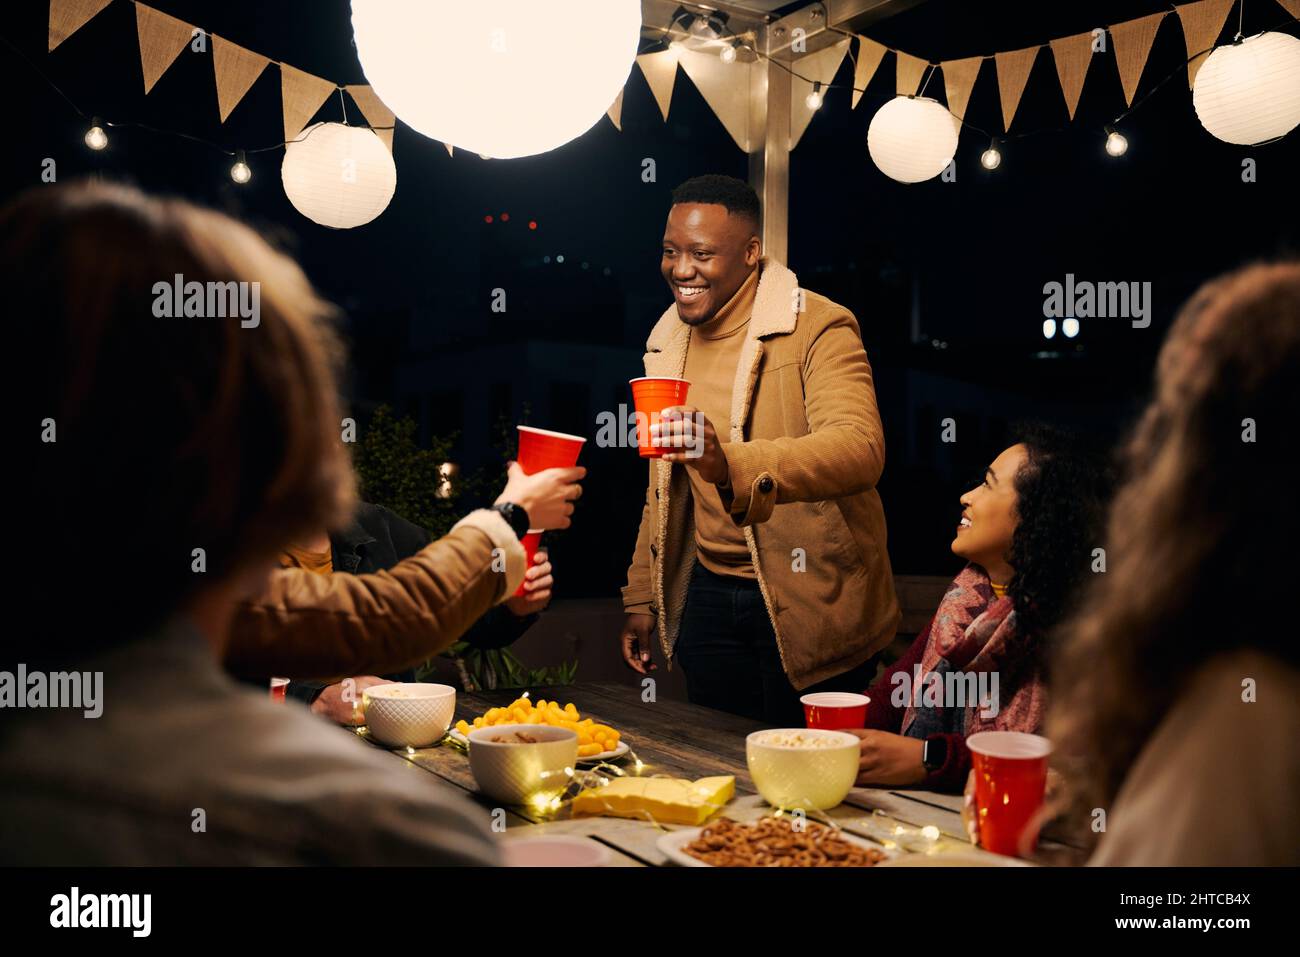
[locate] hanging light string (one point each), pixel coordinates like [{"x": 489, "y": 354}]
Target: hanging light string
[
  {"x": 667, "y": 37},
  {"x": 127, "y": 124}
]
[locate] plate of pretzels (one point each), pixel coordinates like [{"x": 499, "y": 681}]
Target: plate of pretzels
[{"x": 769, "y": 842}]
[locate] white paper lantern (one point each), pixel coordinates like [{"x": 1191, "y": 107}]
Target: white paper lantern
[
  {"x": 503, "y": 78},
  {"x": 1249, "y": 92},
  {"x": 339, "y": 176},
  {"x": 912, "y": 139}
]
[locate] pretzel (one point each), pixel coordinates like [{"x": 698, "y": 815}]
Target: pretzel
[{"x": 776, "y": 842}]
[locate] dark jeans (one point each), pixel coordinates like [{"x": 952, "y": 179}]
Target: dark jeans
[{"x": 728, "y": 653}]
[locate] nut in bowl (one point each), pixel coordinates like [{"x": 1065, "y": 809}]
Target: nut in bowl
[
  {"x": 409, "y": 715},
  {"x": 802, "y": 767},
  {"x": 522, "y": 763}
]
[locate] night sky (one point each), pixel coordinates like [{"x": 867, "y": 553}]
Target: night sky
[{"x": 967, "y": 259}]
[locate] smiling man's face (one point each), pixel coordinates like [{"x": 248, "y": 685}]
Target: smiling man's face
[{"x": 708, "y": 253}]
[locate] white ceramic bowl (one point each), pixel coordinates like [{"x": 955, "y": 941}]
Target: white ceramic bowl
[
  {"x": 813, "y": 778},
  {"x": 409, "y": 715},
  {"x": 520, "y": 773}
]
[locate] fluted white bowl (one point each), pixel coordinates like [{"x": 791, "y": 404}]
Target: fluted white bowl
[
  {"x": 410, "y": 714},
  {"x": 520, "y": 773}
]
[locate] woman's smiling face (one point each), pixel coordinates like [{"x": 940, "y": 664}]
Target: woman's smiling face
[{"x": 989, "y": 517}]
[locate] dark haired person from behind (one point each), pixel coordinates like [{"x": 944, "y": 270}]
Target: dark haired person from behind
[
  {"x": 1027, "y": 532},
  {"x": 761, "y": 555},
  {"x": 1174, "y": 705},
  {"x": 183, "y": 455}
]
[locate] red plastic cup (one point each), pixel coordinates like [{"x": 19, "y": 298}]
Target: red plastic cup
[
  {"x": 650, "y": 396},
  {"x": 532, "y": 541},
  {"x": 835, "y": 710},
  {"x": 541, "y": 449},
  {"x": 278, "y": 688},
  {"x": 1010, "y": 785}
]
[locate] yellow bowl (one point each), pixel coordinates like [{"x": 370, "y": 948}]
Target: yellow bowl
[{"x": 808, "y": 777}]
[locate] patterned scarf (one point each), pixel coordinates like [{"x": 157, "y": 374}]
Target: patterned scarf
[{"x": 974, "y": 631}]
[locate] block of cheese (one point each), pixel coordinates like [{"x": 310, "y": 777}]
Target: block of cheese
[{"x": 668, "y": 800}]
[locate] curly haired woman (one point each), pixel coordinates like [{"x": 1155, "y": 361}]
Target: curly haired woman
[
  {"x": 1027, "y": 532},
  {"x": 1174, "y": 707}
]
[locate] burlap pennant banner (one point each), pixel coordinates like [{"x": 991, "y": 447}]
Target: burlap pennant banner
[
  {"x": 236, "y": 70},
  {"x": 958, "y": 80},
  {"x": 1013, "y": 73},
  {"x": 909, "y": 72},
  {"x": 615, "y": 112},
  {"x": 1291, "y": 6},
  {"x": 1132, "y": 42},
  {"x": 870, "y": 53},
  {"x": 1202, "y": 24},
  {"x": 725, "y": 87},
  {"x": 660, "y": 72},
  {"x": 69, "y": 16},
  {"x": 375, "y": 112},
  {"x": 303, "y": 95},
  {"x": 820, "y": 67},
  {"x": 1072, "y": 56},
  {"x": 162, "y": 38}
]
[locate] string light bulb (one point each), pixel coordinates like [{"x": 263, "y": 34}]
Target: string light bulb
[
  {"x": 240, "y": 172},
  {"x": 991, "y": 158},
  {"x": 1116, "y": 142},
  {"x": 728, "y": 54},
  {"x": 814, "y": 99},
  {"x": 96, "y": 138}
]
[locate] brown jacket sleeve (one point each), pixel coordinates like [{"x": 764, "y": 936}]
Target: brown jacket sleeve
[
  {"x": 328, "y": 627},
  {"x": 844, "y": 450},
  {"x": 638, "y": 593}
]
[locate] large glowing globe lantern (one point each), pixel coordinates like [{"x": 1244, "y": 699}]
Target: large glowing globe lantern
[
  {"x": 502, "y": 78},
  {"x": 1249, "y": 92}
]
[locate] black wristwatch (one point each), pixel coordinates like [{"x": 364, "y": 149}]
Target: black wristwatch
[
  {"x": 934, "y": 752},
  {"x": 516, "y": 516}
]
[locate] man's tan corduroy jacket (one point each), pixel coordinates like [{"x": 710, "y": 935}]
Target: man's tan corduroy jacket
[{"x": 805, "y": 453}]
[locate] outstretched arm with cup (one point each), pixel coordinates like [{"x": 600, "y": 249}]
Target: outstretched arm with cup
[{"x": 310, "y": 626}]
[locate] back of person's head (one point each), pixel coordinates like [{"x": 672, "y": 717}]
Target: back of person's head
[
  {"x": 170, "y": 435},
  {"x": 1199, "y": 541}
]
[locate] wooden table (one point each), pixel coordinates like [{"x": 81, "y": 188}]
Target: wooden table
[{"x": 687, "y": 741}]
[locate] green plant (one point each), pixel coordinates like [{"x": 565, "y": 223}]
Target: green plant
[{"x": 499, "y": 668}]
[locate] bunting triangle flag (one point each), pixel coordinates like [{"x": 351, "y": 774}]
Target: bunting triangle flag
[
  {"x": 725, "y": 87},
  {"x": 958, "y": 80},
  {"x": 449, "y": 149},
  {"x": 1013, "y": 73},
  {"x": 1132, "y": 42},
  {"x": 1202, "y": 24},
  {"x": 236, "y": 69},
  {"x": 1291, "y": 6},
  {"x": 909, "y": 71},
  {"x": 69, "y": 16},
  {"x": 660, "y": 72},
  {"x": 375, "y": 112},
  {"x": 1072, "y": 56},
  {"x": 821, "y": 67},
  {"x": 303, "y": 95},
  {"x": 870, "y": 53},
  {"x": 615, "y": 112},
  {"x": 162, "y": 38}
]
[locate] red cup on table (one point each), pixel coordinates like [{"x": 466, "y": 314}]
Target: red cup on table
[
  {"x": 541, "y": 449},
  {"x": 1010, "y": 785},
  {"x": 835, "y": 710},
  {"x": 650, "y": 396}
]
